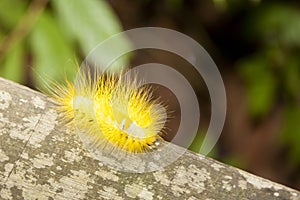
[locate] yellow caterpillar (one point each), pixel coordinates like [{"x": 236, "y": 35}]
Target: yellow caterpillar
[{"x": 113, "y": 110}]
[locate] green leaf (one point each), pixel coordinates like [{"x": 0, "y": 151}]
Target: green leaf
[
  {"x": 8, "y": 18},
  {"x": 90, "y": 22},
  {"x": 277, "y": 23},
  {"x": 52, "y": 53},
  {"x": 261, "y": 85},
  {"x": 261, "y": 95},
  {"x": 13, "y": 66}
]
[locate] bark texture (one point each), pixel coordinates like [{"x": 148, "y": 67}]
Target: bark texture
[{"x": 41, "y": 158}]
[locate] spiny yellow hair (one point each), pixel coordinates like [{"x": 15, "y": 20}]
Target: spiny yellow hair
[{"x": 113, "y": 110}]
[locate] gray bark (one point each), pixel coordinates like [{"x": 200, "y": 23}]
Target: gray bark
[{"x": 41, "y": 158}]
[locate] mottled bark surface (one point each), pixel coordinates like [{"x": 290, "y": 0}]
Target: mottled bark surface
[{"x": 43, "y": 159}]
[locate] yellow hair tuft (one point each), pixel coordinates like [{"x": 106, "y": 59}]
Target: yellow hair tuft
[{"x": 113, "y": 110}]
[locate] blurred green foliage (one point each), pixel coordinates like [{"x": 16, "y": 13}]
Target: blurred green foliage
[
  {"x": 271, "y": 68},
  {"x": 272, "y": 73},
  {"x": 62, "y": 35}
]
